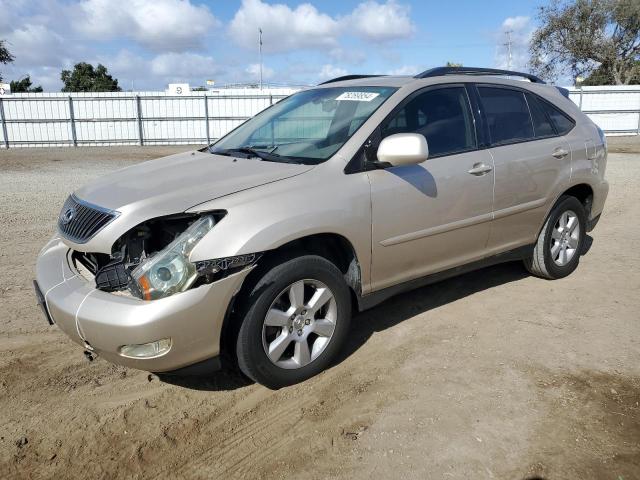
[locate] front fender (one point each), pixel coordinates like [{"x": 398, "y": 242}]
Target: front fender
[{"x": 266, "y": 217}]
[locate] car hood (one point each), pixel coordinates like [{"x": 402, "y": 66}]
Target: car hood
[
  {"x": 172, "y": 185},
  {"x": 175, "y": 183}
]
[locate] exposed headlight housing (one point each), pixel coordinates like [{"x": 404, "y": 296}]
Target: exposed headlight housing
[{"x": 169, "y": 271}]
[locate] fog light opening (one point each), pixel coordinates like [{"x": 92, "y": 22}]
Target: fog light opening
[{"x": 146, "y": 350}]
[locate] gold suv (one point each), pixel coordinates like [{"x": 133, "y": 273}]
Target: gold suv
[{"x": 259, "y": 248}]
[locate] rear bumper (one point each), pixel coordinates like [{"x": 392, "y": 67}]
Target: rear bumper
[{"x": 103, "y": 322}]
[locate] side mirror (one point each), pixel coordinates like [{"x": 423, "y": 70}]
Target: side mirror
[{"x": 403, "y": 149}]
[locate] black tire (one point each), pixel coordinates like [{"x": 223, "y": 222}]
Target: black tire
[
  {"x": 541, "y": 263},
  {"x": 251, "y": 355}
]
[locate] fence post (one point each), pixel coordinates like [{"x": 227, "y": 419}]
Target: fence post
[
  {"x": 4, "y": 125},
  {"x": 206, "y": 118},
  {"x": 580, "y": 101},
  {"x": 270, "y": 99},
  {"x": 139, "y": 115},
  {"x": 72, "y": 118}
]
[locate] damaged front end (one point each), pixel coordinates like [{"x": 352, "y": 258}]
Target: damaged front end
[{"x": 151, "y": 261}]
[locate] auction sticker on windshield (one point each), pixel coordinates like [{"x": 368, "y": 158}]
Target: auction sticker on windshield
[{"x": 358, "y": 96}]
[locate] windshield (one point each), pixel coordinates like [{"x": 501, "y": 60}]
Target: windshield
[{"x": 307, "y": 127}]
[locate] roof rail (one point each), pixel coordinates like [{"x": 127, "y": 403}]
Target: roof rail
[
  {"x": 348, "y": 77},
  {"x": 439, "y": 71}
]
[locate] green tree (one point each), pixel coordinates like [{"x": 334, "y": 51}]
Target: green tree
[
  {"x": 582, "y": 35},
  {"x": 85, "y": 78},
  {"x": 24, "y": 85},
  {"x": 603, "y": 76},
  {"x": 453, "y": 64},
  {"x": 5, "y": 55}
]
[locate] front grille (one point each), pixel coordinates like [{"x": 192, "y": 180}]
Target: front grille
[{"x": 79, "y": 221}]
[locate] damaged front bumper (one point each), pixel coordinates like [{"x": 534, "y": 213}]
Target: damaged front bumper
[{"x": 104, "y": 322}]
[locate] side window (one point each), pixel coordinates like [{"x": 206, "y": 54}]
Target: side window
[
  {"x": 561, "y": 122},
  {"x": 442, "y": 116},
  {"x": 507, "y": 114},
  {"x": 541, "y": 123}
]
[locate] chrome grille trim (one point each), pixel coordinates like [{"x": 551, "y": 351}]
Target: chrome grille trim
[{"x": 80, "y": 221}]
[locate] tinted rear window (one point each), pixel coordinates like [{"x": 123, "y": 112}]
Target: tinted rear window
[
  {"x": 507, "y": 115},
  {"x": 560, "y": 120},
  {"x": 541, "y": 122}
]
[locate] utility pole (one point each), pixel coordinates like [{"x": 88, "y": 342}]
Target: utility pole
[
  {"x": 508, "y": 45},
  {"x": 260, "y": 48}
]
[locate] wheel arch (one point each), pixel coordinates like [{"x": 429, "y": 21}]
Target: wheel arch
[
  {"x": 582, "y": 191},
  {"x": 334, "y": 247}
]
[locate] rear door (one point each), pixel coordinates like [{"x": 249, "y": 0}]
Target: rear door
[
  {"x": 530, "y": 161},
  {"x": 435, "y": 215}
]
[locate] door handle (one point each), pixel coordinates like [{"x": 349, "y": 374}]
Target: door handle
[
  {"x": 560, "y": 153},
  {"x": 480, "y": 169}
]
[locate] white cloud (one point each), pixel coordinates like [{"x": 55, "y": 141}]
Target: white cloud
[
  {"x": 348, "y": 55},
  {"x": 519, "y": 29},
  {"x": 405, "y": 70},
  {"x": 148, "y": 43},
  {"x": 136, "y": 72},
  {"x": 286, "y": 29},
  {"x": 331, "y": 71},
  {"x": 516, "y": 23},
  {"x": 163, "y": 25},
  {"x": 40, "y": 51},
  {"x": 283, "y": 28},
  {"x": 254, "y": 71},
  {"x": 36, "y": 45},
  {"x": 180, "y": 66},
  {"x": 379, "y": 22}
]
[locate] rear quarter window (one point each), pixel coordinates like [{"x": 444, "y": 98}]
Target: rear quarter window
[
  {"x": 561, "y": 121},
  {"x": 542, "y": 125}
]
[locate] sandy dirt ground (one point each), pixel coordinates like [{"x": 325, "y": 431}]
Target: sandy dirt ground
[{"x": 491, "y": 375}]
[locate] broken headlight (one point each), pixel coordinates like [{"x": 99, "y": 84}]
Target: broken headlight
[{"x": 169, "y": 271}]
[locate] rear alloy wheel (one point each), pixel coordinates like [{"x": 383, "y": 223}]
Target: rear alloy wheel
[
  {"x": 557, "y": 251},
  {"x": 565, "y": 238},
  {"x": 297, "y": 319}
]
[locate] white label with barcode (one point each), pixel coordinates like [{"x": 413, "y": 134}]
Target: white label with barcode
[{"x": 358, "y": 96}]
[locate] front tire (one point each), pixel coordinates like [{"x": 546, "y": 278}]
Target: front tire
[
  {"x": 297, "y": 319},
  {"x": 557, "y": 251}
]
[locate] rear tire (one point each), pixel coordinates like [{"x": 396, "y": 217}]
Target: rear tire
[
  {"x": 557, "y": 251},
  {"x": 296, "y": 321}
]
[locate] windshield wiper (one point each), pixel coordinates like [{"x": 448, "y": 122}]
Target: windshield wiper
[{"x": 248, "y": 150}]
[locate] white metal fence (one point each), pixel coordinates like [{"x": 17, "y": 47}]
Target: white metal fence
[
  {"x": 127, "y": 118},
  {"x": 615, "y": 109},
  {"x": 154, "y": 118}
]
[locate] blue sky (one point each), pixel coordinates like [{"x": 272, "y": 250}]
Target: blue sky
[{"x": 149, "y": 43}]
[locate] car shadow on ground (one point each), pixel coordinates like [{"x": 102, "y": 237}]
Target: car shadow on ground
[
  {"x": 224, "y": 380},
  {"x": 386, "y": 315},
  {"x": 421, "y": 300}
]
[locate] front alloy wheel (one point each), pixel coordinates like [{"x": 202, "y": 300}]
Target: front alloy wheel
[
  {"x": 299, "y": 324},
  {"x": 297, "y": 317}
]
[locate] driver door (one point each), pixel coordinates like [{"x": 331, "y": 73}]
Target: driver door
[{"x": 435, "y": 215}]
